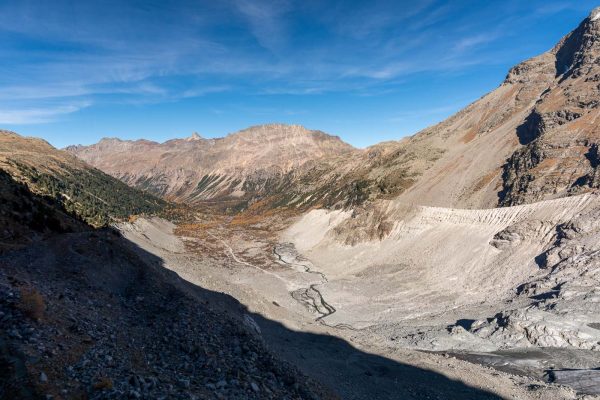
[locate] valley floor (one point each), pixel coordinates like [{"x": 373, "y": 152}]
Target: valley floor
[{"x": 343, "y": 335}]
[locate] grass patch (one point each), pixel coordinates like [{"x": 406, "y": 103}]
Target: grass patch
[
  {"x": 103, "y": 383},
  {"x": 32, "y": 303}
]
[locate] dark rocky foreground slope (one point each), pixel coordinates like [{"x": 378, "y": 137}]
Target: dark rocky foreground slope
[{"x": 86, "y": 314}]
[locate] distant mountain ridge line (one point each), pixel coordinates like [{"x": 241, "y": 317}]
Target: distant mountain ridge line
[
  {"x": 240, "y": 165},
  {"x": 534, "y": 137},
  {"x": 197, "y": 137}
]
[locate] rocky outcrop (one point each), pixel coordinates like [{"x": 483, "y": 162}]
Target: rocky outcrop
[
  {"x": 534, "y": 327},
  {"x": 563, "y": 303},
  {"x": 577, "y": 52},
  {"x": 536, "y": 124},
  {"x": 365, "y": 225},
  {"x": 559, "y": 135}
]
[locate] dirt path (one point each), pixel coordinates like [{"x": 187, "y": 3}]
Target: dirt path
[{"x": 231, "y": 253}]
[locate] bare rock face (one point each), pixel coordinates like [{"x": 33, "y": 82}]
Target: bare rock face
[
  {"x": 243, "y": 164},
  {"x": 560, "y": 134},
  {"x": 535, "y": 137}
]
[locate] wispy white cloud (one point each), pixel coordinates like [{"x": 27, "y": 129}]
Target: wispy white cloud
[
  {"x": 138, "y": 51},
  {"x": 468, "y": 42},
  {"x": 553, "y": 8},
  {"x": 203, "y": 91},
  {"x": 126, "y": 54},
  {"x": 26, "y": 116},
  {"x": 266, "y": 19}
]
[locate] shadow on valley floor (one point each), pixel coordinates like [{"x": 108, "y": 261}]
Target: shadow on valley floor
[
  {"x": 355, "y": 374},
  {"x": 98, "y": 285},
  {"x": 347, "y": 371}
]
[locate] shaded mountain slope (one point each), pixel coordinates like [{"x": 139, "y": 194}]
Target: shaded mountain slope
[
  {"x": 87, "y": 314},
  {"x": 85, "y": 191},
  {"x": 25, "y": 217}
]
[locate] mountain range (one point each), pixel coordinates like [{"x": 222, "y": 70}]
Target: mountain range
[
  {"x": 204, "y": 266},
  {"x": 248, "y": 163},
  {"x": 533, "y": 138}
]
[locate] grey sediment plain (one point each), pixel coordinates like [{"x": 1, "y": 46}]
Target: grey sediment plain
[{"x": 478, "y": 290}]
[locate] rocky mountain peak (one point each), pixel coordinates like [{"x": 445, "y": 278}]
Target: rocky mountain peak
[
  {"x": 595, "y": 14},
  {"x": 110, "y": 140},
  {"x": 579, "y": 51},
  {"x": 576, "y": 54},
  {"x": 195, "y": 136},
  {"x": 567, "y": 108},
  {"x": 272, "y": 130},
  {"x": 244, "y": 163}
]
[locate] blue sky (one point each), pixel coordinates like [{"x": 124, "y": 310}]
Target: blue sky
[{"x": 368, "y": 71}]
